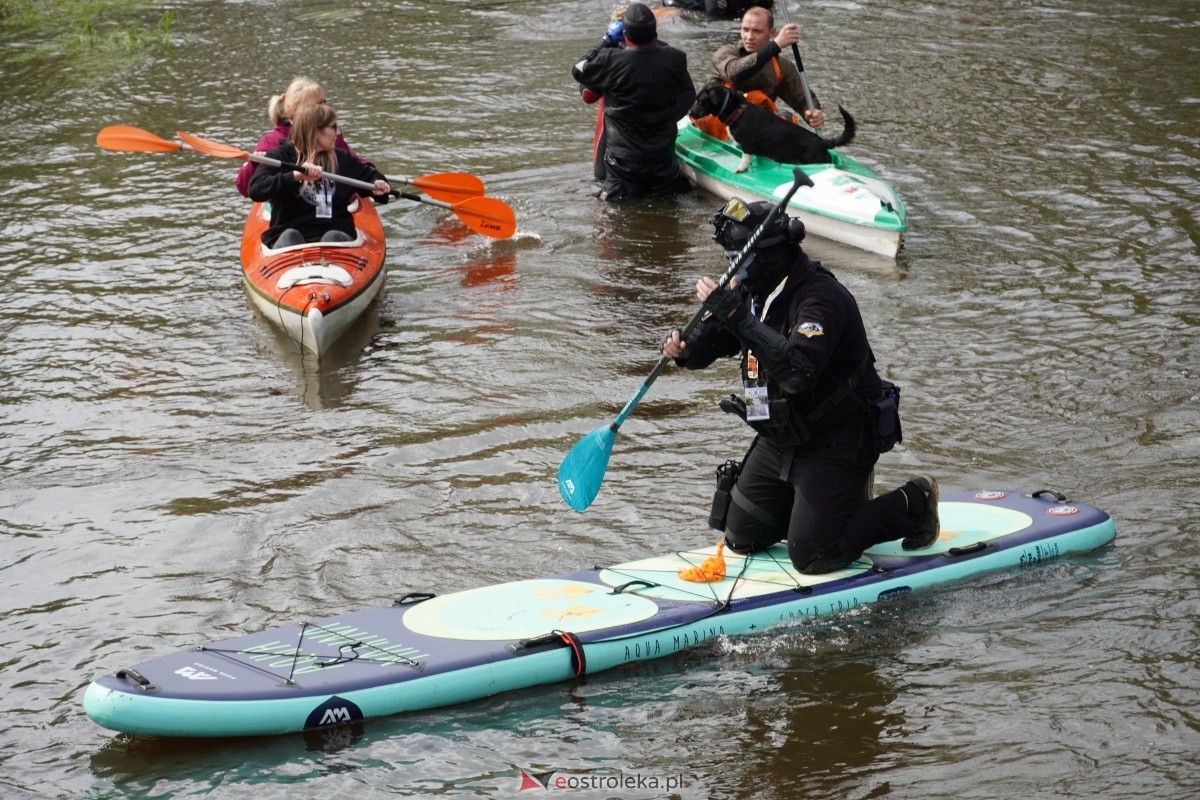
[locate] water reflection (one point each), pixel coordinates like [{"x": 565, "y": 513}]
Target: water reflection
[
  {"x": 829, "y": 732},
  {"x": 489, "y": 264},
  {"x": 325, "y": 382}
]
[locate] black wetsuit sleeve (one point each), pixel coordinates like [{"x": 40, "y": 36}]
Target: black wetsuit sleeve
[
  {"x": 685, "y": 100},
  {"x": 708, "y": 342},
  {"x": 788, "y": 365},
  {"x": 761, "y": 59},
  {"x": 589, "y": 71}
]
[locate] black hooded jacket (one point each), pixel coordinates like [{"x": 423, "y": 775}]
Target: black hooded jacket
[
  {"x": 646, "y": 89},
  {"x": 811, "y": 347}
]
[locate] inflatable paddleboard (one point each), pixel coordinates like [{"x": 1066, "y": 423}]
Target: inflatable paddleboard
[{"x": 427, "y": 651}]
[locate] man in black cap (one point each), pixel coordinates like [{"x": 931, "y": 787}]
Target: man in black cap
[
  {"x": 812, "y": 395},
  {"x": 646, "y": 89}
]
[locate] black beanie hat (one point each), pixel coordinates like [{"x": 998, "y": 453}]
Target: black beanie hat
[{"x": 640, "y": 26}]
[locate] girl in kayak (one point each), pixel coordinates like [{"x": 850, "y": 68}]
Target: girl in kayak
[
  {"x": 307, "y": 205},
  {"x": 281, "y": 110}
]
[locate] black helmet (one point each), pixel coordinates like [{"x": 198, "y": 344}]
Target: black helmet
[
  {"x": 737, "y": 220},
  {"x": 774, "y": 251},
  {"x": 640, "y": 24}
]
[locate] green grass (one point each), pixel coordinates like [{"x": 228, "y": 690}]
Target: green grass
[{"x": 88, "y": 24}]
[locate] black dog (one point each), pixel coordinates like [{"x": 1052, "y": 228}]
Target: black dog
[{"x": 760, "y": 133}]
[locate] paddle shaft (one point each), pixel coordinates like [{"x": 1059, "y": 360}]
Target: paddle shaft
[
  {"x": 447, "y": 186},
  {"x": 799, "y": 179},
  {"x": 808, "y": 96},
  {"x": 274, "y": 162},
  {"x": 427, "y": 200},
  {"x": 333, "y": 176}
]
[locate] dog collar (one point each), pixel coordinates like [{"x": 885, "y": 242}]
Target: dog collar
[{"x": 736, "y": 115}]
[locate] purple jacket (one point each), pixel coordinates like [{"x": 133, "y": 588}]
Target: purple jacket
[{"x": 271, "y": 140}]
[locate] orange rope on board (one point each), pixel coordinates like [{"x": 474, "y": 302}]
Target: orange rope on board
[{"x": 711, "y": 571}]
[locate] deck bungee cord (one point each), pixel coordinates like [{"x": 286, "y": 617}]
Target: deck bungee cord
[{"x": 298, "y": 656}]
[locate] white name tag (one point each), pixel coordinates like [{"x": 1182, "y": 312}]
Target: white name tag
[{"x": 757, "y": 409}]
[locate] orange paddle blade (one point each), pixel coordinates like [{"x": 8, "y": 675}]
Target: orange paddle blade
[
  {"x": 448, "y": 186},
  {"x": 211, "y": 148},
  {"x": 487, "y": 215},
  {"x": 129, "y": 139}
]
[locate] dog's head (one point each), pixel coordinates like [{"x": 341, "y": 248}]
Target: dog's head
[{"x": 715, "y": 99}]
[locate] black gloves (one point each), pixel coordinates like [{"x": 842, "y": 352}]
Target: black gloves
[{"x": 727, "y": 305}]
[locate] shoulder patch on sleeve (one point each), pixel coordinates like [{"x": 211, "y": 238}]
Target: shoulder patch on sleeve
[{"x": 810, "y": 329}]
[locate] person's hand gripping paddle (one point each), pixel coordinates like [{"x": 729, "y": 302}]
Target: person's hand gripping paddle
[{"x": 582, "y": 471}]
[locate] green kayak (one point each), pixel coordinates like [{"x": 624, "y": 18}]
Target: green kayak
[{"x": 847, "y": 202}]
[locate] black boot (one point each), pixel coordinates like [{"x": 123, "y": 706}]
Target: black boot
[{"x": 928, "y": 523}]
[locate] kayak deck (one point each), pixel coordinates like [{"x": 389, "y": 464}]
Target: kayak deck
[{"x": 314, "y": 292}]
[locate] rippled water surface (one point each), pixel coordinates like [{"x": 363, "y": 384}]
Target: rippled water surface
[{"x": 174, "y": 471}]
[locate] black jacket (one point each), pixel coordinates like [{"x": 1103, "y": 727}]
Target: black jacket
[
  {"x": 647, "y": 89},
  {"x": 812, "y": 352},
  {"x": 292, "y": 201}
]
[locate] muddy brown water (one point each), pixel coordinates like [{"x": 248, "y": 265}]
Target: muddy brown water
[{"x": 174, "y": 470}]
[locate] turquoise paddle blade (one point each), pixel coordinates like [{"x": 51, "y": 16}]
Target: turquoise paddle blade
[{"x": 582, "y": 471}]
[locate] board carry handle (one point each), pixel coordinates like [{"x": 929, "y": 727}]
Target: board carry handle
[
  {"x": 1059, "y": 497},
  {"x": 966, "y": 550},
  {"x": 562, "y": 638},
  {"x": 536, "y": 641},
  {"x": 638, "y": 582},
  {"x": 412, "y": 598},
  {"x": 138, "y": 679}
]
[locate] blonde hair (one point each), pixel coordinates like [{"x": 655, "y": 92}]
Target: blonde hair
[
  {"x": 301, "y": 91},
  {"x": 310, "y": 119}
]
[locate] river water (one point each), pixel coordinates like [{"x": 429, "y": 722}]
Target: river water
[{"x": 174, "y": 471}]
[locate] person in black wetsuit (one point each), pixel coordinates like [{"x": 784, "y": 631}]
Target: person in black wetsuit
[
  {"x": 810, "y": 394},
  {"x": 646, "y": 89},
  {"x": 306, "y": 206}
]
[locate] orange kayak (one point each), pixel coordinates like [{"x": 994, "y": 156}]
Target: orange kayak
[{"x": 314, "y": 292}]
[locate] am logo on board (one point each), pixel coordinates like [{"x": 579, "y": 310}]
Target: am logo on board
[{"x": 334, "y": 711}]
